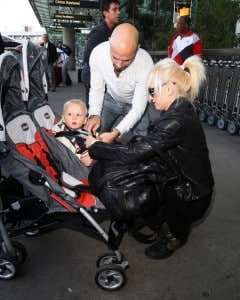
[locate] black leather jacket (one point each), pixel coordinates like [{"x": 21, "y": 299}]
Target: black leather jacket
[{"x": 178, "y": 137}]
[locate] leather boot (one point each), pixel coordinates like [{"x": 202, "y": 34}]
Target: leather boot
[{"x": 165, "y": 246}]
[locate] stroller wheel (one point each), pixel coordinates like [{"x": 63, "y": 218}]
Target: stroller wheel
[
  {"x": 9, "y": 266},
  {"x": 20, "y": 252},
  {"x": 110, "y": 277},
  {"x": 107, "y": 258}
]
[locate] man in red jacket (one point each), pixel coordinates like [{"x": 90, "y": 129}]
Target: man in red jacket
[{"x": 185, "y": 42}]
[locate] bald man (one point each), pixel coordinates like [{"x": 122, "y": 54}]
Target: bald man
[{"x": 119, "y": 74}]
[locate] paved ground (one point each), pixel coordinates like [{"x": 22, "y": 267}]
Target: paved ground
[{"x": 61, "y": 264}]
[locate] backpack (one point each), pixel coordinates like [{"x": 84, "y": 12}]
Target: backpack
[{"x": 66, "y": 49}]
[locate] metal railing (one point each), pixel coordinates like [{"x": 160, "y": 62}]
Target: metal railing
[{"x": 208, "y": 54}]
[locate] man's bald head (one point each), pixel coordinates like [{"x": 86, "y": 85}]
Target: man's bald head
[
  {"x": 124, "y": 43},
  {"x": 125, "y": 32}
]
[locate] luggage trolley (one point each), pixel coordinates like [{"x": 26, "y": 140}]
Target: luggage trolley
[
  {"x": 214, "y": 72},
  {"x": 200, "y": 100},
  {"x": 230, "y": 118},
  {"x": 221, "y": 95}
]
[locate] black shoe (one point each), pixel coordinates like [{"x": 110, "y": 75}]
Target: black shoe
[
  {"x": 165, "y": 247},
  {"x": 161, "y": 249}
]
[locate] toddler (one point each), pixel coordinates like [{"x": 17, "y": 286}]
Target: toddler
[{"x": 69, "y": 130}]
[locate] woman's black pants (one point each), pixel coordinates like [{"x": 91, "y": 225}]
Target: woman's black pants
[{"x": 179, "y": 215}]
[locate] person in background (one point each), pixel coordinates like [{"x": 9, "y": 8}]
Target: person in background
[
  {"x": 52, "y": 57},
  {"x": 80, "y": 59},
  {"x": 185, "y": 42},
  {"x": 64, "y": 52},
  {"x": 100, "y": 33},
  {"x": 177, "y": 142},
  {"x": 69, "y": 130},
  {"x": 119, "y": 71}
]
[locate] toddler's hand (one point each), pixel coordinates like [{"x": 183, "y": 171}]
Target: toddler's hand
[{"x": 86, "y": 159}]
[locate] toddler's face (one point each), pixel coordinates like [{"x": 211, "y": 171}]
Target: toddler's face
[{"x": 74, "y": 116}]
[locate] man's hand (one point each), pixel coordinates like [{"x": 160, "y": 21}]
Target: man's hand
[
  {"x": 93, "y": 124},
  {"x": 18, "y": 48}
]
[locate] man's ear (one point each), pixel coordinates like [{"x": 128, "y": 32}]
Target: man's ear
[{"x": 104, "y": 13}]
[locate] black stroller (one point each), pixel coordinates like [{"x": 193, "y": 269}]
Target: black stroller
[{"x": 41, "y": 190}]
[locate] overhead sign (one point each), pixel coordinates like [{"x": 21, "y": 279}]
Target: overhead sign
[
  {"x": 73, "y": 25},
  {"x": 73, "y": 17},
  {"x": 53, "y": 29},
  {"x": 76, "y": 3},
  {"x": 57, "y": 27}
]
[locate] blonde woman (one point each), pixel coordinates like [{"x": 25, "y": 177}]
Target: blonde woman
[{"x": 177, "y": 141}]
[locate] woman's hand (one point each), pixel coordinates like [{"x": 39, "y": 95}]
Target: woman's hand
[
  {"x": 90, "y": 140},
  {"x": 109, "y": 137}
]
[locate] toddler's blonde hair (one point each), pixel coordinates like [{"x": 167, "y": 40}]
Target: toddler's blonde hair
[{"x": 76, "y": 101}]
